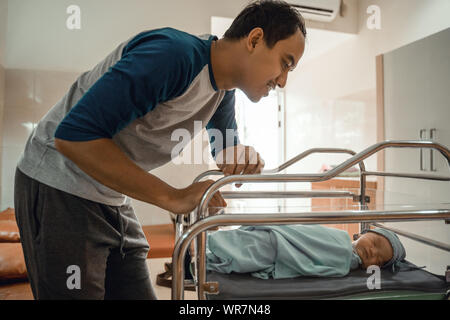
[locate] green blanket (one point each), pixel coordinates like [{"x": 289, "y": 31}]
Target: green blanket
[{"x": 282, "y": 251}]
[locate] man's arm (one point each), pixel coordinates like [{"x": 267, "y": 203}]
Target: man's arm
[
  {"x": 105, "y": 162},
  {"x": 151, "y": 71},
  {"x": 224, "y": 122},
  {"x": 231, "y": 156}
]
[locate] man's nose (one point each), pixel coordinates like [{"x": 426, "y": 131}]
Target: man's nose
[{"x": 282, "y": 79}]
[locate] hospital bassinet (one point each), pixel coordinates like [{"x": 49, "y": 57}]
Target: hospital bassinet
[{"x": 413, "y": 284}]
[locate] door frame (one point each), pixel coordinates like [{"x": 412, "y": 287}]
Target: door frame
[{"x": 379, "y": 62}]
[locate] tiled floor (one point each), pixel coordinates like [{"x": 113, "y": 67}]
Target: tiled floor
[{"x": 22, "y": 290}]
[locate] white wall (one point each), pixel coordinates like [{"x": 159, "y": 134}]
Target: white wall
[
  {"x": 3, "y": 25},
  {"x": 329, "y": 85},
  {"x": 350, "y": 67},
  {"x": 40, "y": 40}
]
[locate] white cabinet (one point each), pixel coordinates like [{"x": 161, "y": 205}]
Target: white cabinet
[{"x": 417, "y": 97}]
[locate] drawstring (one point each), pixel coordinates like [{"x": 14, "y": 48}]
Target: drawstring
[{"x": 122, "y": 240}]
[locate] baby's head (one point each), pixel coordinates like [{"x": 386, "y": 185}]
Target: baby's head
[{"x": 379, "y": 247}]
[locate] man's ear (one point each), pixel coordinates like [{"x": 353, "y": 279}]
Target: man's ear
[{"x": 254, "y": 37}]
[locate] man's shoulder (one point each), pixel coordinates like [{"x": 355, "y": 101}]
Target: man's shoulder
[{"x": 171, "y": 39}]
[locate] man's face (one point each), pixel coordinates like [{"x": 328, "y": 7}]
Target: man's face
[
  {"x": 373, "y": 249},
  {"x": 268, "y": 68}
]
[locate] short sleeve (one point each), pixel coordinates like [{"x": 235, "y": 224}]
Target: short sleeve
[{"x": 152, "y": 71}]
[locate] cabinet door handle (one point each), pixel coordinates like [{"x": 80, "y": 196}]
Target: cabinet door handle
[
  {"x": 421, "y": 135},
  {"x": 432, "y": 136}
]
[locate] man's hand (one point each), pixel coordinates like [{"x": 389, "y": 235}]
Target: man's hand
[
  {"x": 187, "y": 199},
  {"x": 239, "y": 159}
]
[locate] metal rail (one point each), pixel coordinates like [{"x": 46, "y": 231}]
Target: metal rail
[
  {"x": 290, "y": 162},
  {"x": 322, "y": 176},
  {"x": 193, "y": 217},
  {"x": 287, "y": 194},
  {"x": 282, "y": 219},
  {"x": 407, "y": 175},
  {"x": 357, "y": 216},
  {"x": 412, "y": 236}
]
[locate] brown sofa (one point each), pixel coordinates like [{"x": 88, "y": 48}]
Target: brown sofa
[{"x": 13, "y": 273}]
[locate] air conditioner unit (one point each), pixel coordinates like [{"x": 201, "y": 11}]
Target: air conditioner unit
[{"x": 318, "y": 10}]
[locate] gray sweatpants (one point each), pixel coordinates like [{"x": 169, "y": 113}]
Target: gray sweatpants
[{"x": 78, "y": 249}]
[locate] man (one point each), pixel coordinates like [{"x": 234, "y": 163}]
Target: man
[
  {"x": 290, "y": 251},
  {"x": 94, "y": 149}
]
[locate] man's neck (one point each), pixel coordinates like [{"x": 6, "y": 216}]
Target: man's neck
[{"x": 224, "y": 65}]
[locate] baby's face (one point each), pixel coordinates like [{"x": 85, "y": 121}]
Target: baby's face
[{"x": 373, "y": 249}]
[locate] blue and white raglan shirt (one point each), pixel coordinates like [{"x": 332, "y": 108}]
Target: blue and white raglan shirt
[{"x": 149, "y": 86}]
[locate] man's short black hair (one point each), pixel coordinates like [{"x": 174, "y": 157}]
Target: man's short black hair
[{"x": 278, "y": 19}]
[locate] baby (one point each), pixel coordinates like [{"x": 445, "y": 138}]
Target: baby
[
  {"x": 300, "y": 250},
  {"x": 379, "y": 247}
]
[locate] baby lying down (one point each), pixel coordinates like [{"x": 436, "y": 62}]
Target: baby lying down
[{"x": 300, "y": 250}]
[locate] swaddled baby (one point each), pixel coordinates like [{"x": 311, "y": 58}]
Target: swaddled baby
[
  {"x": 379, "y": 247},
  {"x": 300, "y": 250}
]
